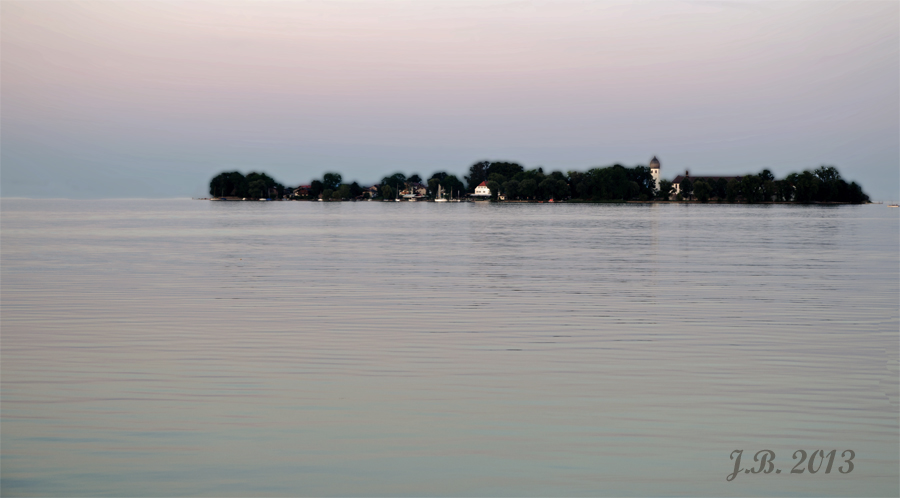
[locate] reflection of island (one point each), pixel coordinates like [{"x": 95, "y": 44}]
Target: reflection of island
[{"x": 510, "y": 182}]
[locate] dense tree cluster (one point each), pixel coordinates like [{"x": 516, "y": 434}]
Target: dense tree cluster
[
  {"x": 235, "y": 184},
  {"x": 822, "y": 185},
  {"x": 598, "y": 184},
  {"x": 331, "y": 187},
  {"x": 612, "y": 183},
  {"x": 450, "y": 184}
]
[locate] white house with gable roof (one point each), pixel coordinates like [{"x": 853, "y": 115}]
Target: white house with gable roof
[{"x": 482, "y": 192}]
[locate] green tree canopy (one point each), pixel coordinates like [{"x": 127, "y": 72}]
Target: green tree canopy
[
  {"x": 496, "y": 177},
  {"x": 751, "y": 188},
  {"x": 397, "y": 180},
  {"x": 506, "y": 170},
  {"x": 315, "y": 188},
  {"x": 511, "y": 189},
  {"x": 453, "y": 185},
  {"x": 331, "y": 181},
  {"x": 665, "y": 189},
  {"x": 784, "y": 190},
  {"x": 439, "y": 176},
  {"x": 687, "y": 187},
  {"x": 732, "y": 190},
  {"x": 719, "y": 189},
  {"x": 477, "y": 174},
  {"x": 561, "y": 192},
  {"x": 494, "y": 188},
  {"x": 553, "y": 188},
  {"x": 257, "y": 189},
  {"x": 433, "y": 184},
  {"x": 827, "y": 173},
  {"x": 806, "y": 186},
  {"x": 230, "y": 183},
  {"x": 855, "y": 194},
  {"x": 643, "y": 177},
  {"x": 527, "y": 188},
  {"x": 702, "y": 191}
]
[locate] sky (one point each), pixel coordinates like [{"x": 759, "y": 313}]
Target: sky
[{"x": 153, "y": 99}]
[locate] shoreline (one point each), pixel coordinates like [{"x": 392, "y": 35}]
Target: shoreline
[{"x": 576, "y": 201}]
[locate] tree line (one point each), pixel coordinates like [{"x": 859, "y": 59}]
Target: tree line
[
  {"x": 603, "y": 184},
  {"x": 821, "y": 185},
  {"x": 235, "y": 184}
]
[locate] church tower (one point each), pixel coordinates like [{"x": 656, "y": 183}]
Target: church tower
[{"x": 654, "y": 170}]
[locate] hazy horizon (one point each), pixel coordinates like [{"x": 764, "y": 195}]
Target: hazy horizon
[{"x": 152, "y": 99}]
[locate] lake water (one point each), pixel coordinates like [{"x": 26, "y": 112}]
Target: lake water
[{"x": 159, "y": 348}]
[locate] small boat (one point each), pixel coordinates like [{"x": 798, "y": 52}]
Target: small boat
[
  {"x": 893, "y": 205},
  {"x": 440, "y": 195}
]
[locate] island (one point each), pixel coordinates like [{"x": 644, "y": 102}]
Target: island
[{"x": 503, "y": 181}]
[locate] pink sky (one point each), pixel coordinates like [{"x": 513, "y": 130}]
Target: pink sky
[{"x": 128, "y": 92}]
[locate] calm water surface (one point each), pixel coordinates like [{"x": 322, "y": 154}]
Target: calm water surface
[{"x": 158, "y": 348}]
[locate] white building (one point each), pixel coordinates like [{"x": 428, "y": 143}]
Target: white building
[
  {"x": 482, "y": 192},
  {"x": 654, "y": 170}
]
